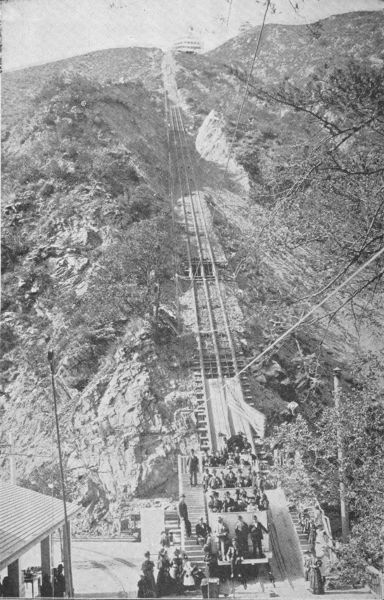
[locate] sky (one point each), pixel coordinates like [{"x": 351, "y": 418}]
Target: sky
[{"x": 41, "y": 31}]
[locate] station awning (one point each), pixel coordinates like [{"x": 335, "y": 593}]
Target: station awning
[{"x": 26, "y": 518}]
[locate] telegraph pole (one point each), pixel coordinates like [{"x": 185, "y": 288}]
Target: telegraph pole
[
  {"x": 340, "y": 457},
  {"x": 66, "y": 537},
  {"x": 382, "y": 565},
  {"x": 12, "y": 462}
]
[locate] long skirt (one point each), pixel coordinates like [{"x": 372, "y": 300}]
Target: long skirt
[
  {"x": 164, "y": 583},
  {"x": 316, "y": 584}
]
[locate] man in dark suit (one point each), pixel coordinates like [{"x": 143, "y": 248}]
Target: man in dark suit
[
  {"x": 256, "y": 530},
  {"x": 228, "y": 503},
  {"x": 182, "y": 510},
  {"x": 202, "y": 530},
  {"x": 241, "y": 535},
  {"x": 193, "y": 467},
  {"x": 230, "y": 478}
]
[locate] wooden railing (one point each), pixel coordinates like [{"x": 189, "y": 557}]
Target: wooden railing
[
  {"x": 279, "y": 460},
  {"x": 375, "y": 582}
]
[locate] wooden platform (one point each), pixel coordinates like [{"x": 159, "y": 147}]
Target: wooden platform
[{"x": 248, "y": 561}]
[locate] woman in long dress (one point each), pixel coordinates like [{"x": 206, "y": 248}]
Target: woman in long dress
[
  {"x": 188, "y": 579},
  {"x": 147, "y": 568},
  {"x": 163, "y": 582},
  {"x": 316, "y": 582}
]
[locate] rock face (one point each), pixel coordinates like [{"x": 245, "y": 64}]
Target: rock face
[
  {"x": 125, "y": 433},
  {"x": 121, "y": 435},
  {"x": 84, "y": 173},
  {"x": 212, "y": 145}
]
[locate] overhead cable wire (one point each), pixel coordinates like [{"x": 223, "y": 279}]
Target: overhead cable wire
[
  {"x": 240, "y": 112},
  {"x": 314, "y": 309},
  {"x": 229, "y": 12}
]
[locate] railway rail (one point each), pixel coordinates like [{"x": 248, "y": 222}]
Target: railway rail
[
  {"x": 225, "y": 405},
  {"x": 221, "y": 392}
]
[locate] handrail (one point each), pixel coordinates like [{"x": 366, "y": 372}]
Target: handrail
[
  {"x": 180, "y": 464},
  {"x": 375, "y": 581},
  {"x": 280, "y": 460}
]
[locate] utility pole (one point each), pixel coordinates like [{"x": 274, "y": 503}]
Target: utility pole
[
  {"x": 12, "y": 462},
  {"x": 382, "y": 565},
  {"x": 66, "y": 537},
  {"x": 340, "y": 457}
]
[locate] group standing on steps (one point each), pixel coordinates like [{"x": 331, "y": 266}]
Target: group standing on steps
[
  {"x": 318, "y": 559},
  {"x": 175, "y": 573},
  {"x": 218, "y": 545}
]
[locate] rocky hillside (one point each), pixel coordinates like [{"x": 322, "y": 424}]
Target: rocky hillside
[
  {"x": 89, "y": 247},
  {"x": 116, "y": 65},
  {"x": 87, "y": 271},
  {"x": 300, "y": 228}
]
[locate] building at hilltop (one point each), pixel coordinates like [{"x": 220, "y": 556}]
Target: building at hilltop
[{"x": 189, "y": 44}]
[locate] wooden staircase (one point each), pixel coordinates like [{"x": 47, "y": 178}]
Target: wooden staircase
[
  {"x": 194, "y": 498},
  {"x": 172, "y": 526},
  {"x": 303, "y": 537}
]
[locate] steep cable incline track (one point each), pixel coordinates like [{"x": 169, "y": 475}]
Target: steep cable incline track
[
  {"x": 221, "y": 391},
  {"x": 217, "y": 352}
]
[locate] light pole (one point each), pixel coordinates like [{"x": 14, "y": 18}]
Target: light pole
[
  {"x": 382, "y": 564},
  {"x": 340, "y": 458},
  {"x": 66, "y": 541}
]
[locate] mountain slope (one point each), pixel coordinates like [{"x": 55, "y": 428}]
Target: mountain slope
[
  {"x": 88, "y": 244},
  {"x": 86, "y": 251}
]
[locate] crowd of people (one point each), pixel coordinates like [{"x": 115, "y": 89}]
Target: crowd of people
[
  {"x": 234, "y": 466},
  {"x": 240, "y": 501},
  {"x": 318, "y": 559},
  {"x": 227, "y": 478},
  {"x": 242, "y": 534},
  {"x": 47, "y": 588},
  {"x": 236, "y": 451},
  {"x": 175, "y": 573},
  {"x": 232, "y": 550}
]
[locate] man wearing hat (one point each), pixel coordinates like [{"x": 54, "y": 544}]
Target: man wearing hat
[
  {"x": 241, "y": 535},
  {"x": 252, "y": 506},
  {"x": 215, "y": 504},
  {"x": 228, "y": 503},
  {"x": 230, "y": 478},
  {"x": 182, "y": 510},
  {"x": 193, "y": 466},
  {"x": 202, "y": 531},
  {"x": 247, "y": 479},
  {"x": 215, "y": 481},
  {"x": 256, "y": 530},
  {"x": 206, "y": 479},
  {"x": 230, "y": 462},
  {"x": 239, "y": 478},
  {"x": 222, "y": 532}
]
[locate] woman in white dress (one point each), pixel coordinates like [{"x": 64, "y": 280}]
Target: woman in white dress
[{"x": 188, "y": 579}]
